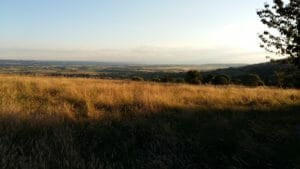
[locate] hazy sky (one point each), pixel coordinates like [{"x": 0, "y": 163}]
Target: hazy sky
[{"x": 145, "y": 31}]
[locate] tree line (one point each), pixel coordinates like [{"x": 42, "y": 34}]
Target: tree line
[{"x": 195, "y": 77}]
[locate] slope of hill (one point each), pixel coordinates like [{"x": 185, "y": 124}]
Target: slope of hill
[
  {"x": 267, "y": 71},
  {"x": 55, "y": 122},
  {"x": 262, "y": 69}
]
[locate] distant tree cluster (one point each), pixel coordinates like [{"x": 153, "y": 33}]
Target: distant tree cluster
[
  {"x": 289, "y": 78},
  {"x": 195, "y": 77},
  {"x": 249, "y": 80}
]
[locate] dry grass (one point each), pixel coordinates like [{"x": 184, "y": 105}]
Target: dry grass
[
  {"x": 162, "y": 126},
  {"x": 95, "y": 98}
]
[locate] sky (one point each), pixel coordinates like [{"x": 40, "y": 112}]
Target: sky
[{"x": 139, "y": 31}]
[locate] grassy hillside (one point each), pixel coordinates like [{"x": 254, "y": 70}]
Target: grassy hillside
[
  {"x": 264, "y": 70},
  {"x": 87, "y": 123},
  {"x": 93, "y": 98},
  {"x": 268, "y": 72}
]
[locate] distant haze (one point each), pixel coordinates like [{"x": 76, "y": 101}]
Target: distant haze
[{"x": 144, "y": 31}]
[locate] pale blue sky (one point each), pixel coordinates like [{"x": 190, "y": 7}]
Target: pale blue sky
[{"x": 146, "y": 31}]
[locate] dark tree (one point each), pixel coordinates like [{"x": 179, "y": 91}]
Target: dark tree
[
  {"x": 167, "y": 79},
  {"x": 137, "y": 78},
  {"x": 208, "y": 78},
  {"x": 193, "y": 77},
  {"x": 251, "y": 80},
  {"x": 156, "y": 79},
  {"x": 221, "y": 80},
  {"x": 180, "y": 80},
  {"x": 283, "y": 21}
]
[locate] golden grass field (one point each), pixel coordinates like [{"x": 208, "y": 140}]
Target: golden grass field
[
  {"x": 76, "y": 123},
  {"x": 94, "y": 98}
]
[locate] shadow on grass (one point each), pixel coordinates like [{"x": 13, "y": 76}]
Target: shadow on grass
[{"x": 171, "y": 139}]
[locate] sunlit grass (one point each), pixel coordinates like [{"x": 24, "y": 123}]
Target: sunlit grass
[
  {"x": 109, "y": 124},
  {"x": 94, "y": 98}
]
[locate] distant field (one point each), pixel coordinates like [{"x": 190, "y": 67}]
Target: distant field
[
  {"x": 79, "y": 123},
  {"x": 278, "y": 73},
  {"x": 102, "y": 69}
]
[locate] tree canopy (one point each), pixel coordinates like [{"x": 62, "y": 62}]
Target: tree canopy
[
  {"x": 221, "y": 80},
  {"x": 283, "y": 35},
  {"x": 193, "y": 77}
]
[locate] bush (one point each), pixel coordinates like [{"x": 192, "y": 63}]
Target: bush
[
  {"x": 288, "y": 79},
  {"x": 251, "y": 80},
  {"x": 167, "y": 79},
  {"x": 193, "y": 77},
  {"x": 208, "y": 78},
  {"x": 221, "y": 80},
  {"x": 156, "y": 80},
  {"x": 137, "y": 78},
  {"x": 180, "y": 80}
]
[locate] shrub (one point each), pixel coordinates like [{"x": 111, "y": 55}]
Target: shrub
[
  {"x": 193, "y": 77},
  {"x": 167, "y": 79},
  {"x": 288, "y": 79},
  {"x": 180, "y": 80},
  {"x": 208, "y": 78},
  {"x": 221, "y": 80},
  {"x": 156, "y": 79},
  {"x": 251, "y": 80},
  {"x": 137, "y": 78}
]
